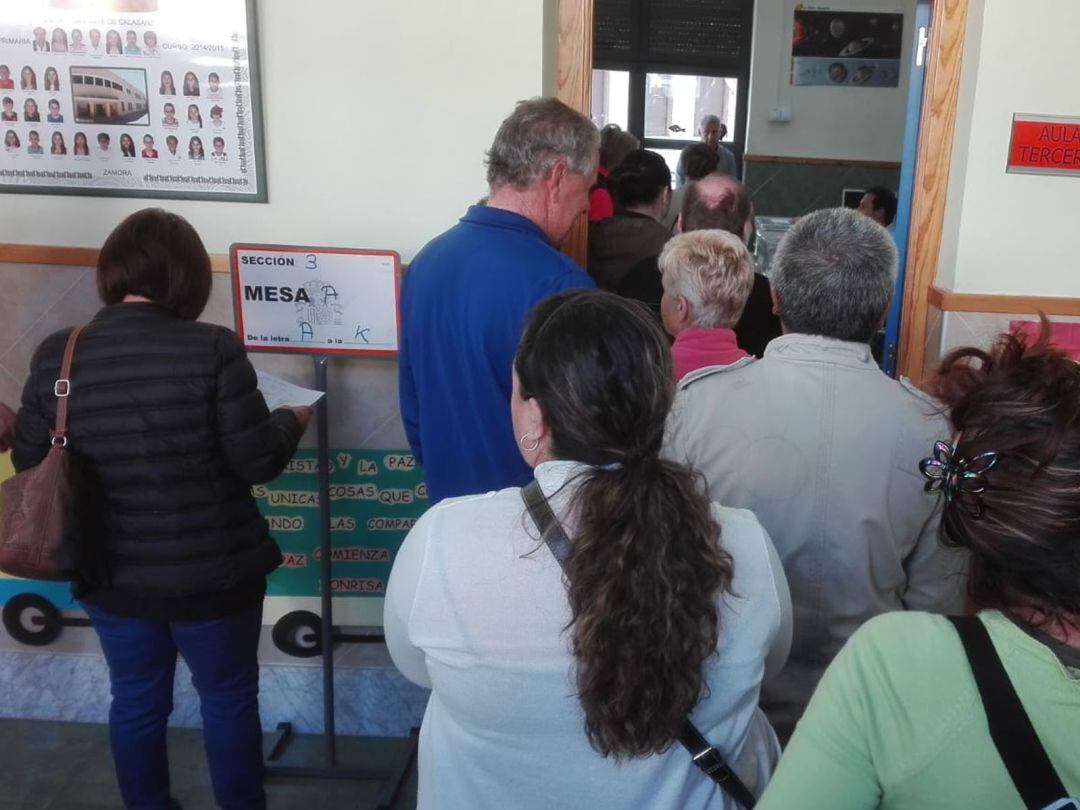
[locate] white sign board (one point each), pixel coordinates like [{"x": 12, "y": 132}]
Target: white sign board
[{"x": 316, "y": 300}]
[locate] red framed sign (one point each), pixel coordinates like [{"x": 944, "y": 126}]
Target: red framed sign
[
  {"x": 1045, "y": 144},
  {"x": 316, "y": 300}
]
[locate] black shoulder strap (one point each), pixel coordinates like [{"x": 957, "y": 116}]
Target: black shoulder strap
[
  {"x": 707, "y": 758},
  {"x": 1010, "y": 728}
]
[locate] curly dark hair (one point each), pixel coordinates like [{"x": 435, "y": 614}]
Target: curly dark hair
[
  {"x": 646, "y": 566},
  {"x": 1020, "y": 400}
]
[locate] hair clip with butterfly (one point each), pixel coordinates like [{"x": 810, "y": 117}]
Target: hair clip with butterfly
[{"x": 961, "y": 480}]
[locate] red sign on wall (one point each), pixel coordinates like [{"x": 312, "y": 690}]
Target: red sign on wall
[{"x": 1045, "y": 144}]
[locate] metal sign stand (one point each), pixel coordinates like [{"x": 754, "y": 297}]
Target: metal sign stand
[{"x": 395, "y": 774}]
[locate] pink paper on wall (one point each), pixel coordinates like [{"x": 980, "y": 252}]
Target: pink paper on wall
[{"x": 1065, "y": 336}]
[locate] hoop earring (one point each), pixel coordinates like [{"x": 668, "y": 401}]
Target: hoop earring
[{"x": 530, "y": 448}]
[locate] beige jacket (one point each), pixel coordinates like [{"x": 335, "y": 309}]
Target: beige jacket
[{"x": 824, "y": 448}]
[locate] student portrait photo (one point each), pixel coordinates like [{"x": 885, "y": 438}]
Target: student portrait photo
[
  {"x": 79, "y": 146},
  {"x": 213, "y": 85},
  {"x": 41, "y": 45},
  {"x": 169, "y": 118},
  {"x": 54, "y": 116},
  {"x": 194, "y": 117},
  {"x": 95, "y": 41},
  {"x": 30, "y": 112},
  {"x": 215, "y": 116},
  {"x": 51, "y": 80},
  {"x": 103, "y": 142},
  {"x": 150, "y": 46},
  {"x": 167, "y": 87},
  {"x": 9, "y": 113},
  {"x": 77, "y": 44},
  {"x": 191, "y": 84},
  {"x": 148, "y": 150},
  {"x": 11, "y": 141},
  {"x": 28, "y": 79},
  {"x": 34, "y": 146},
  {"x": 219, "y": 149},
  {"x": 195, "y": 148},
  {"x": 58, "y": 146},
  {"x": 127, "y": 145},
  {"x": 132, "y": 47},
  {"x": 113, "y": 44},
  {"x": 6, "y": 82},
  {"x": 171, "y": 143},
  {"x": 59, "y": 40}
]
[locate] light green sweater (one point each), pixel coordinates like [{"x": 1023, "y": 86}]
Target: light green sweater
[{"x": 896, "y": 723}]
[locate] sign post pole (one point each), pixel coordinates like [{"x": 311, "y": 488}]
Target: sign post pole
[{"x": 325, "y": 583}]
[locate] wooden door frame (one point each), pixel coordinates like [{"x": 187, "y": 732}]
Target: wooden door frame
[
  {"x": 937, "y": 125},
  {"x": 933, "y": 157}
]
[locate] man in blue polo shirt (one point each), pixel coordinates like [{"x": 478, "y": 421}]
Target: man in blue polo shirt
[{"x": 466, "y": 295}]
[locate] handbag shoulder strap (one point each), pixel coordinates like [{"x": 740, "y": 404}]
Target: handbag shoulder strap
[
  {"x": 1014, "y": 737},
  {"x": 62, "y": 388},
  {"x": 704, "y": 755}
]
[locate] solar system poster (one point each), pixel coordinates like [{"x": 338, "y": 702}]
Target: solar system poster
[{"x": 846, "y": 48}]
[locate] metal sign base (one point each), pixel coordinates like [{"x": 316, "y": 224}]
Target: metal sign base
[{"x": 395, "y": 774}]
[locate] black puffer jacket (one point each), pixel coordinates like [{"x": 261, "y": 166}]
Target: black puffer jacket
[{"x": 169, "y": 432}]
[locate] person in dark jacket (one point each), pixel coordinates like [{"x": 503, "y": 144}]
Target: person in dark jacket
[
  {"x": 167, "y": 432},
  {"x": 641, "y": 187}
]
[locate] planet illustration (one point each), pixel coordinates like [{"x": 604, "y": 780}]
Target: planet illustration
[
  {"x": 837, "y": 28},
  {"x": 863, "y": 74},
  {"x": 857, "y": 46}
]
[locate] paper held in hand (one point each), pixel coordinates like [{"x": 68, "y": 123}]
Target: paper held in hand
[{"x": 280, "y": 393}]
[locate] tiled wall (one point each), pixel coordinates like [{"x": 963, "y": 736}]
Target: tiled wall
[
  {"x": 794, "y": 189},
  {"x": 69, "y": 680},
  {"x": 951, "y": 330}
]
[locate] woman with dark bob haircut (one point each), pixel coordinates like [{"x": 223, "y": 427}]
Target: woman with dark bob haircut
[
  {"x": 553, "y": 689},
  {"x": 902, "y": 717},
  {"x": 167, "y": 434}
]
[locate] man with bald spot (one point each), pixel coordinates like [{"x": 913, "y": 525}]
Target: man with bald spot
[
  {"x": 716, "y": 202},
  {"x": 722, "y": 202}
]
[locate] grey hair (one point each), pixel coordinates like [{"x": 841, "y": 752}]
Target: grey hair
[
  {"x": 834, "y": 273},
  {"x": 537, "y": 133},
  {"x": 707, "y": 119}
]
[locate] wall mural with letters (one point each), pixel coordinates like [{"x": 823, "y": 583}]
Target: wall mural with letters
[{"x": 375, "y": 498}]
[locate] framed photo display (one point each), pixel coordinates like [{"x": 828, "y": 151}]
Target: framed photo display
[{"x": 131, "y": 98}]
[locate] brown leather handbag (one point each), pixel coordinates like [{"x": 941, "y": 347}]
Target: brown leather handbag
[{"x": 35, "y": 504}]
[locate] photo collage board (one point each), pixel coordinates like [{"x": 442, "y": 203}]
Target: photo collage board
[{"x": 154, "y": 98}]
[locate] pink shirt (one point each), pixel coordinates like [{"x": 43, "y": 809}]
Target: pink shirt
[{"x": 696, "y": 348}]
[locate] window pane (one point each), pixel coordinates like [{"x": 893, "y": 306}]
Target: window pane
[
  {"x": 675, "y": 103},
  {"x": 611, "y": 97}
]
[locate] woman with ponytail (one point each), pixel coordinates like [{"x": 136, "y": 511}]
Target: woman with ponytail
[
  {"x": 641, "y": 188},
  {"x": 553, "y": 690}
]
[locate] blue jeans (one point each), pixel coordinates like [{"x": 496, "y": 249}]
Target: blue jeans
[{"x": 222, "y": 656}]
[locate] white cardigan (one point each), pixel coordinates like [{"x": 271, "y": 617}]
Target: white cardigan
[{"x": 476, "y": 609}]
